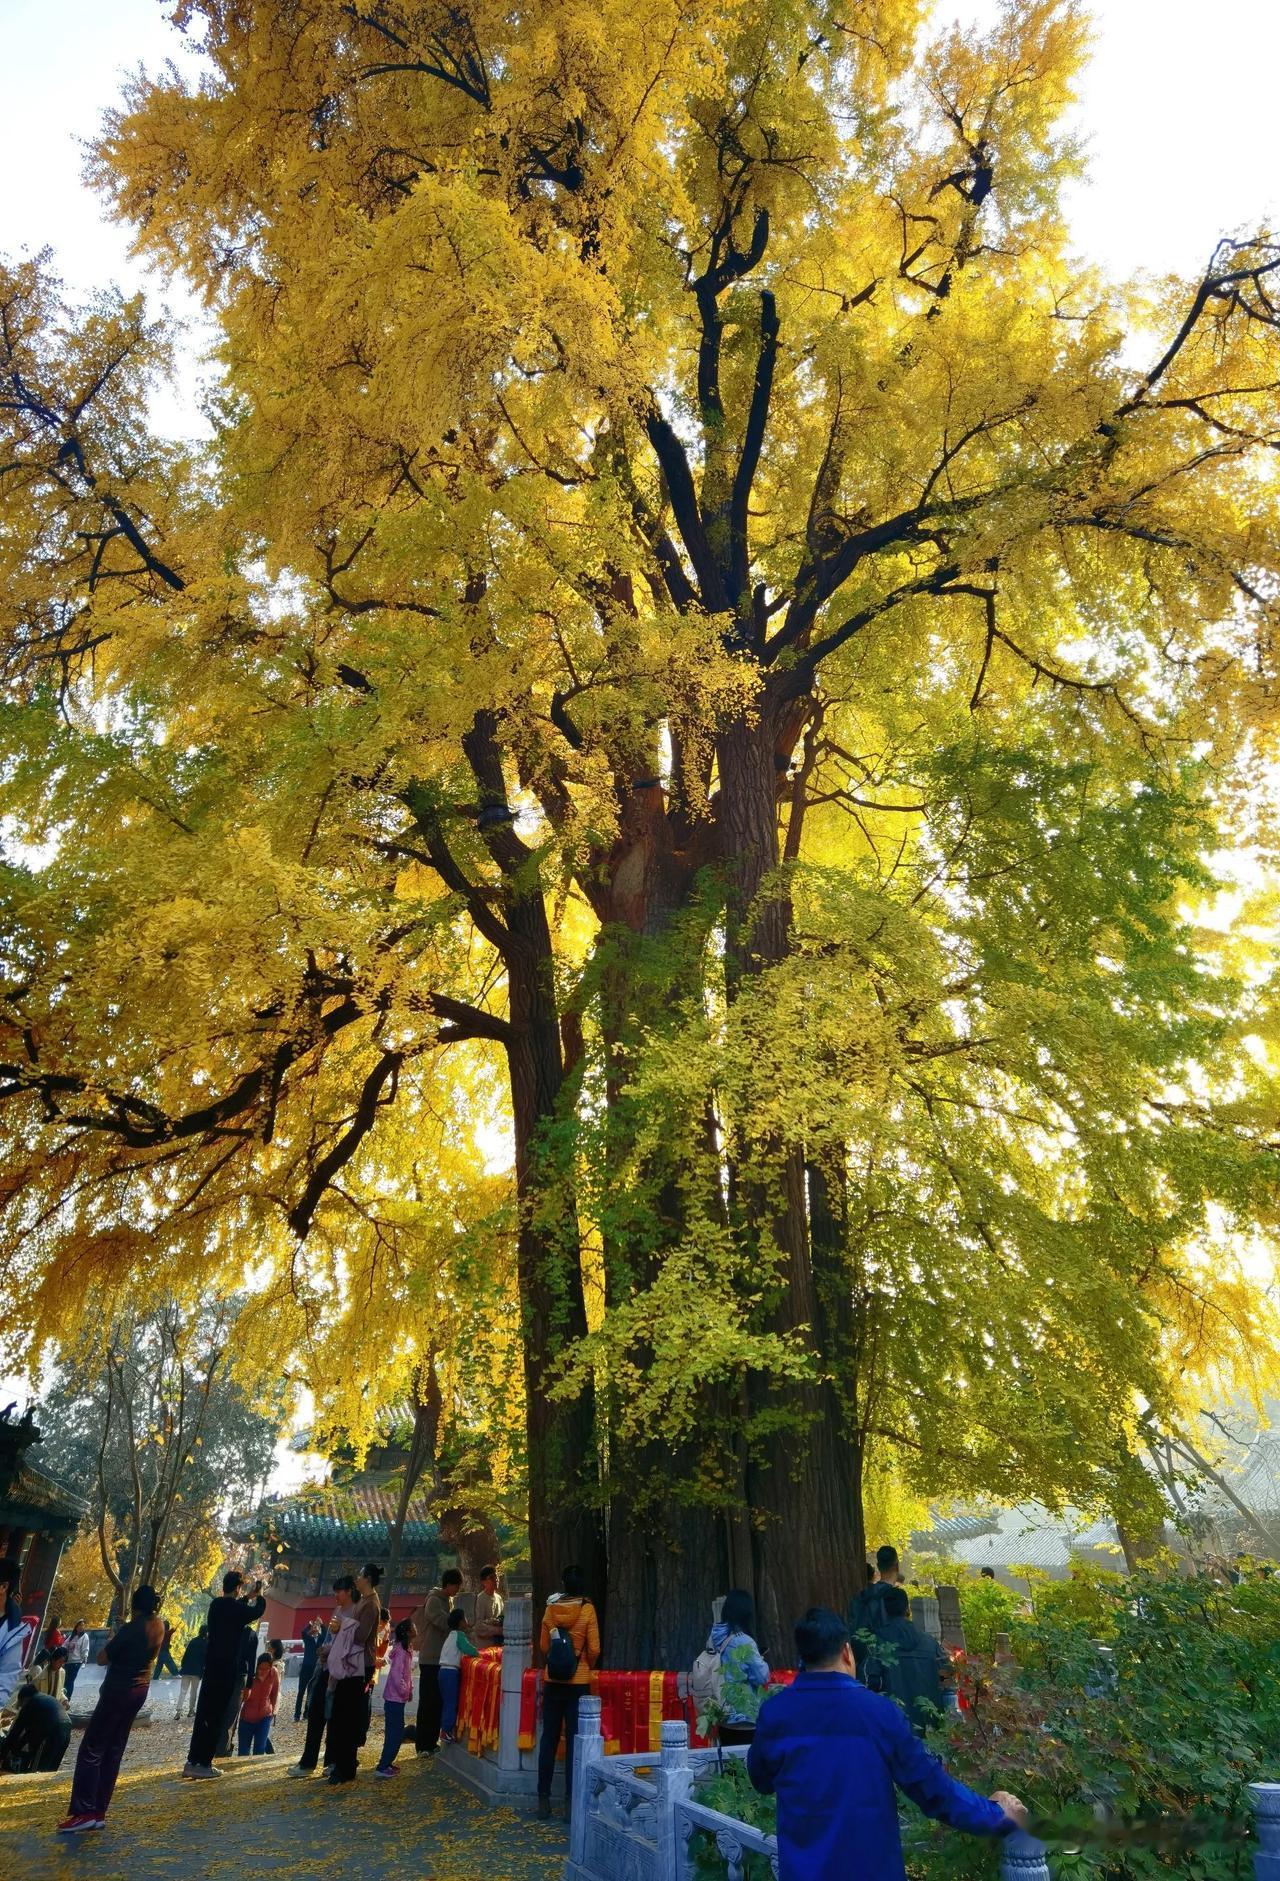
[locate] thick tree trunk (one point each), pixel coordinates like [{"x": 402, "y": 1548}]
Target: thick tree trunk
[
  {"x": 667, "y": 1556},
  {"x": 565, "y": 1525},
  {"x": 805, "y": 1478}
]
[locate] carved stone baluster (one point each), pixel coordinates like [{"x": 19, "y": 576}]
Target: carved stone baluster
[
  {"x": 734, "y": 1854},
  {"x": 1266, "y": 1805},
  {"x": 517, "y": 1654},
  {"x": 675, "y": 1785},
  {"x": 1022, "y": 1858},
  {"x": 588, "y": 1754}
]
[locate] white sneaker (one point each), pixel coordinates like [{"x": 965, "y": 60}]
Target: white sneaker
[
  {"x": 201, "y": 1770},
  {"x": 299, "y": 1770}
]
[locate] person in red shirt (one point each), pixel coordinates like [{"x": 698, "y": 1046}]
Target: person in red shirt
[{"x": 259, "y": 1708}]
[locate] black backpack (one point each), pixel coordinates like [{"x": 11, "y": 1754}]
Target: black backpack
[{"x": 562, "y": 1660}]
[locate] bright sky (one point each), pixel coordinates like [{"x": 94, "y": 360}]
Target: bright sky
[{"x": 1177, "y": 105}]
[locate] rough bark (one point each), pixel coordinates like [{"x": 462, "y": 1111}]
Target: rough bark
[
  {"x": 564, "y": 1519},
  {"x": 804, "y": 1480}
]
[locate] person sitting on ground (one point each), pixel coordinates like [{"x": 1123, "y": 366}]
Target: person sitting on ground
[
  {"x": 39, "y": 1734},
  {"x": 46, "y": 1667},
  {"x": 128, "y": 1656},
  {"x": 489, "y": 1610},
  {"x": 397, "y": 1693},
  {"x": 570, "y": 1646},
  {"x": 77, "y": 1656},
  {"x": 833, "y": 1754},
  {"x": 742, "y": 1672},
  {"x": 866, "y": 1613},
  {"x": 261, "y": 1698},
  {"x": 456, "y": 1648},
  {"x": 913, "y": 1667},
  {"x": 192, "y": 1672}
]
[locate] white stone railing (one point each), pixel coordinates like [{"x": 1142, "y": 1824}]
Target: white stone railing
[{"x": 629, "y": 1827}]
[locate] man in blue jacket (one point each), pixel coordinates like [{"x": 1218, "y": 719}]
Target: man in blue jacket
[{"x": 833, "y": 1753}]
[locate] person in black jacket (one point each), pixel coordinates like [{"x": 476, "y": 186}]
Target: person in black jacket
[
  {"x": 866, "y": 1611},
  {"x": 311, "y": 1636},
  {"x": 192, "y": 1672},
  {"x": 228, "y": 1617},
  {"x": 39, "y": 1735},
  {"x": 245, "y": 1669}
]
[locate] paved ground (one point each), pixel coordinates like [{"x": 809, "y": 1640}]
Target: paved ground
[{"x": 257, "y": 1822}]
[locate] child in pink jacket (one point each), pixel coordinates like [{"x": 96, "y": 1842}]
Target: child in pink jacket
[{"x": 396, "y": 1695}]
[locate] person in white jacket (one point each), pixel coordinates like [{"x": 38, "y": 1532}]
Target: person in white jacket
[
  {"x": 77, "y": 1655},
  {"x": 13, "y": 1631}
]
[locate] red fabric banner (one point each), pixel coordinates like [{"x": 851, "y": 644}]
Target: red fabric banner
[{"x": 633, "y": 1708}]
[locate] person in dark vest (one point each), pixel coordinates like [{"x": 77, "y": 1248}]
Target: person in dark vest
[
  {"x": 312, "y": 1633},
  {"x": 38, "y": 1736},
  {"x": 128, "y": 1657},
  {"x": 912, "y": 1666},
  {"x": 229, "y": 1617}
]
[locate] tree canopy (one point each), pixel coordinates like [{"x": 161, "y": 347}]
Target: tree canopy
[
  {"x": 149, "y": 1424},
  {"x": 704, "y": 645}
]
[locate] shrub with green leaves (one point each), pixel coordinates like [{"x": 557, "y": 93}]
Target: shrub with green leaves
[{"x": 1134, "y": 1755}]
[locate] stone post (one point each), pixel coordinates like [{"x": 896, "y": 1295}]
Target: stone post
[
  {"x": 924, "y": 1611},
  {"x": 675, "y": 1785},
  {"x": 517, "y": 1656},
  {"x": 588, "y": 1751},
  {"x": 1266, "y": 1804},
  {"x": 949, "y": 1620},
  {"x": 1022, "y": 1858}
]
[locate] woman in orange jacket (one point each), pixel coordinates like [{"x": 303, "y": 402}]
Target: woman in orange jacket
[{"x": 570, "y": 1643}]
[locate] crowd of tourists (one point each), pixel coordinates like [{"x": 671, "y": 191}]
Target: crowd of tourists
[{"x": 832, "y": 1749}]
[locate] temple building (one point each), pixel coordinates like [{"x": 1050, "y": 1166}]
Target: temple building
[
  {"x": 304, "y": 1542},
  {"x": 38, "y": 1516}
]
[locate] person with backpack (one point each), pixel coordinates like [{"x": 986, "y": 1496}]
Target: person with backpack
[
  {"x": 866, "y": 1609},
  {"x": 570, "y": 1647},
  {"x": 729, "y": 1675},
  {"x": 908, "y": 1664}
]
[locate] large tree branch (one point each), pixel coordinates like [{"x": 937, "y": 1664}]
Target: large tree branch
[
  {"x": 674, "y": 463},
  {"x": 752, "y": 443},
  {"x": 382, "y": 1079}
]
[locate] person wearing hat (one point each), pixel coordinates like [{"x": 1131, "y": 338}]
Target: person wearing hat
[{"x": 128, "y": 1657}]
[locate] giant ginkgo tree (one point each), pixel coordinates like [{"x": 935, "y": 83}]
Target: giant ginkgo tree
[{"x": 703, "y": 636}]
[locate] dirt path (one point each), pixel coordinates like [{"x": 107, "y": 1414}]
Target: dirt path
[{"x": 258, "y": 1822}]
